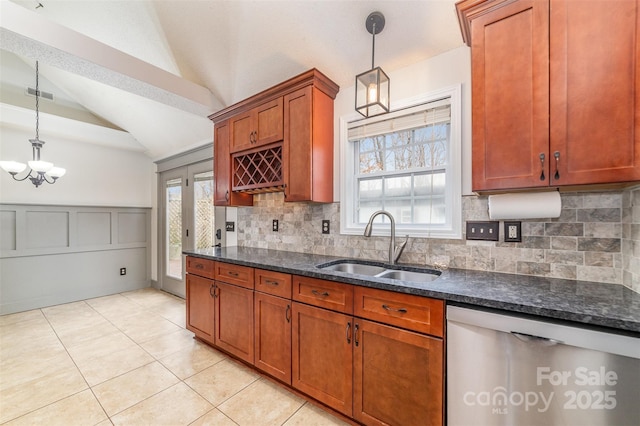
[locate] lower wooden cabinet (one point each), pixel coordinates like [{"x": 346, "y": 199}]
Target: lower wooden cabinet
[
  {"x": 234, "y": 320},
  {"x": 397, "y": 377},
  {"x": 200, "y": 307},
  {"x": 272, "y": 319}
]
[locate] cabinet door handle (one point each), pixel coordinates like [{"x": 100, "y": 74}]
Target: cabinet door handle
[
  {"x": 557, "y": 157},
  {"x": 317, "y": 293},
  {"x": 271, "y": 282},
  {"x": 212, "y": 290},
  {"x": 355, "y": 334},
  {"x": 226, "y": 195},
  {"x": 215, "y": 291},
  {"x": 389, "y": 308},
  {"x": 287, "y": 313},
  {"x": 542, "y": 166},
  {"x": 232, "y": 273},
  {"x": 348, "y": 332}
]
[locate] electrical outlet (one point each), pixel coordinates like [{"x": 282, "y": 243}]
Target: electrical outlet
[
  {"x": 230, "y": 226},
  {"x": 274, "y": 225},
  {"x": 123, "y": 271},
  {"x": 512, "y": 232},
  {"x": 487, "y": 231},
  {"x": 326, "y": 226}
]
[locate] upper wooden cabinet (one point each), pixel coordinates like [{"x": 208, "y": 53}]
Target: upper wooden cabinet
[
  {"x": 223, "y": 195},
  {"x": 556, "y": 92},
  {"x": 259, "y": 126},
  {"x": 278, "y": 140}
]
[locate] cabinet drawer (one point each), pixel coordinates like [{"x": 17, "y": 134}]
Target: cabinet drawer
[
  {"x": 416, "y": 313},
  {"x": 275, "y": 283},
  {"x": 198, "y": 266},
  {"x": 234, "y": 274},
  {"x": 325, "y": 294}
]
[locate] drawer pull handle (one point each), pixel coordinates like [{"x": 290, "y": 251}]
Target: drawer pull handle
[
  {"x": 348, "y": 332},
  {"x": 389, "y": 308},
  {"x": 317, "y": 293},
  {"x": 287, "y": 313},
  {"x": 233, "y": 273},
  {"x": 199, "y": 266},
  {"x": 271, "y": 282}
]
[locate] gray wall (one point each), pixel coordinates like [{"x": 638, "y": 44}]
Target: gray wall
[{"x": 59, "y": 254}]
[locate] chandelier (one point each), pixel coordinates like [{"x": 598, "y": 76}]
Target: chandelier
[{"x": 39, "y": 171}]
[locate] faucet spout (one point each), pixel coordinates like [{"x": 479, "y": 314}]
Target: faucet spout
[{"x": 394, "y": 251}]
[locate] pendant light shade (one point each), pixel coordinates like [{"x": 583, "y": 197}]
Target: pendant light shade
[{"x": 373, "y": 86}]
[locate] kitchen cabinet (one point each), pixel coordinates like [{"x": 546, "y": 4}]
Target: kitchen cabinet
[
  {"x": 200, "y": 301},
  {"x": 381, "y": 374},
  {"x": 279, "y": 140},
  {"x": 272, "y": 324},
  {"x": 553, "y": 83},
  {"x": 258, "y": 126},
  {"x": 390, "y": 361},
  {"x": 200, "y": 307},
  {"x": 234, "y": 310},
  {"x": 323, "y": 356},
  {"x": 308, "y": 141},
  {"x": 223, "y": 195}
]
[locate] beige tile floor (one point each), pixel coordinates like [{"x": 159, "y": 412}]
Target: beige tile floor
[{"x": 127, "y": 359}]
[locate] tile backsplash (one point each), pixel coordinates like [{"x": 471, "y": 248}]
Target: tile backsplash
[{"x": 596, "y": 238}]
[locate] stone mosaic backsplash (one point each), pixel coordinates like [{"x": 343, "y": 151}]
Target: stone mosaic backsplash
[{"x": 596, "y": 238}]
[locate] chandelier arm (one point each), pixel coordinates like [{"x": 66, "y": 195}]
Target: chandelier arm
[{"x": 13, "y": 175}]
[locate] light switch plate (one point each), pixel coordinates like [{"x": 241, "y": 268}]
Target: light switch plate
[{"x": 483, "y": 230}]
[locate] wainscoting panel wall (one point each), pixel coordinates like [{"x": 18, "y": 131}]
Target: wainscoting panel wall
[{"x": 59, "y": 254}]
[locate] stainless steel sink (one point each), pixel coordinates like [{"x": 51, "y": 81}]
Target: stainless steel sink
[
  {"x": 381, "y": 270},
  {"x": 355, "y": 268},
  {"x": 402, "y": 275}
]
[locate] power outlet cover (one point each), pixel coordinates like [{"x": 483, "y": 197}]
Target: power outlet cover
[
  {"x": 274, "y": 225},
  {"x": 483, "y": 230},
  {"x": 512, "y": 232},
  {"x": 326, "y": 227}
]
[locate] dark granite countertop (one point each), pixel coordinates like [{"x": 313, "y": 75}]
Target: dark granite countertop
[{"x": 611, "y": 306}]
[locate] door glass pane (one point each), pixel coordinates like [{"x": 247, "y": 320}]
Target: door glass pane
[
  {"x": 203, "y": 209},
  {"x": 174, "y": 227}
]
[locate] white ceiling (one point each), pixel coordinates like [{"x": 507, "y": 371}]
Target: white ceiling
[{"x": 156, "y": 69}]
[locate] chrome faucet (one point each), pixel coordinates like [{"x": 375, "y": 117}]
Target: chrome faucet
[{"x": 394, "y": 251}]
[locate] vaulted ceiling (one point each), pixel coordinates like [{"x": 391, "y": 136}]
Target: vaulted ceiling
[{"x": 149, "y": 72}]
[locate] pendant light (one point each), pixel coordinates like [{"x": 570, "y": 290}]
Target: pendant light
[
  {"x": 39, "y": 171},
  {"x": 372, "y": 87}
]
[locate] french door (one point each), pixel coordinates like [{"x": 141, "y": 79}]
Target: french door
[{"x": 187, "y": 220}]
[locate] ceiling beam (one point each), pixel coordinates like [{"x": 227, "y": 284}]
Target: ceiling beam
[{"x": 31, "y": 35}]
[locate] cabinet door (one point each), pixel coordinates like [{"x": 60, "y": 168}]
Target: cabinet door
[
  {"x": 273, "y": 336},
  {"x": 200, "y": 307},
  {"x": 510, "y": 91},
  {"x": 234, "y": 320},
  {"x": 322, "y": 356},
  {"x": 259, "y": 126},
  {"x": 595, "y": 91},
  {"x": 308, "y": 147},
  {"x": 222, "y": 170},
  {"x": 398, "y": 376}
]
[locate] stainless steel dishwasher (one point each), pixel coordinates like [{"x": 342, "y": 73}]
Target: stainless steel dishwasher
[{"x": 509, "y": 370}]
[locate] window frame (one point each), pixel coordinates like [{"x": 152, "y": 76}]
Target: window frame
[{"x": 453, "y": 192}]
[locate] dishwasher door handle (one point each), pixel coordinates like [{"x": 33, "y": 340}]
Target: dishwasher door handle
[{"x": 531, "y": 338}]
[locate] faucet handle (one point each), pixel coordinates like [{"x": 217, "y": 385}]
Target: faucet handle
[{"x": 400, "y": 248}]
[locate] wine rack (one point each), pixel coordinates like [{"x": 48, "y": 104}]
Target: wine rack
[{"x": 258, "y": 170}]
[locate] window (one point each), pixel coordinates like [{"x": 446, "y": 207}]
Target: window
[{"x": 408, "y": 163}]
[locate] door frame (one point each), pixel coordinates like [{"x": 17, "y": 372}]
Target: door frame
[{"x": 186, "y": 173}]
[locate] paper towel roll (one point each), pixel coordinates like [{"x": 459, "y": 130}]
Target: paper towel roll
[{"x": 534, "y": 205}]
